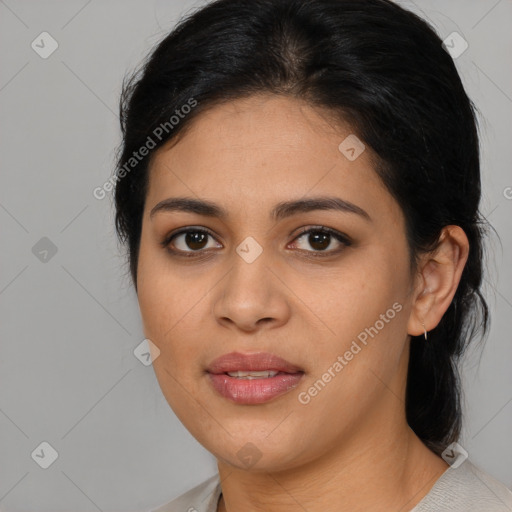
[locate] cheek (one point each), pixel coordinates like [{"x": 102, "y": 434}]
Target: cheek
[
  {"x": 162, "y": 300},
  {"x": 364, "y": 294},
  {"x": 169, "y": 316},
  {"x": 174, "y": 307},
  {"x": 366, "y": 311}
]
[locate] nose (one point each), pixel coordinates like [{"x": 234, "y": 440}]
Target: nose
[{"x": 251, "y": 296}]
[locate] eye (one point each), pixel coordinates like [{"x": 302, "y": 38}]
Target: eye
[
  {"x": 190, "y": 240},
  {"x": 320, "y": 238}
]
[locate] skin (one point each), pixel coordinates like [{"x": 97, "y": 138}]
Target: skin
[{"x": 350, "y": 447}]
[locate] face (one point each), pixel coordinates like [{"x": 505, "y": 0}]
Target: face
[{"x": 326, "y": 289}]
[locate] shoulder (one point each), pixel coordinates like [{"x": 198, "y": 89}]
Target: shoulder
[
  {"x": 466, "y": 488},
  {"x": 202, "y": 498}
]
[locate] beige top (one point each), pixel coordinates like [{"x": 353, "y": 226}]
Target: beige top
[{"x": 463, "y": 489}]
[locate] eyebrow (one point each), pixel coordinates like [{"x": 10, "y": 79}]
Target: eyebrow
[{"x": 280, "y": 211}]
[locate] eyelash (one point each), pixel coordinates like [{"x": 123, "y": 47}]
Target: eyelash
[{"x": 340, "y": 237}]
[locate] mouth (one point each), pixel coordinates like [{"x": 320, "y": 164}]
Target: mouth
[
  {"x": 254, "y": 375},
  {"x": 253, "y": 378}
]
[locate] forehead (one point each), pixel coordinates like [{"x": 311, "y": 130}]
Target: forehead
[{"x": 264, "y": 149}]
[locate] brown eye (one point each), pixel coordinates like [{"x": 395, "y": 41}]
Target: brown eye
[
  {"x": 321, "y": 239},
  {"x": 195, "y": 239},
  {"x": 188, "y": 241}
]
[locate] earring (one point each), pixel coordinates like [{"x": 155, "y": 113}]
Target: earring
[{"x": 424, "y": 330}]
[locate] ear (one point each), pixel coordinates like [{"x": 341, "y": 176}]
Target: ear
[{"x": 438, "y": 276}]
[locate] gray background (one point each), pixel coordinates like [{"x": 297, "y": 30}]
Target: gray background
[{"x": 69, "y": 325}]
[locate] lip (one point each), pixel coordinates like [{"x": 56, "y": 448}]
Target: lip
[
  {"x": 254, "y": 391},
  {"x": 259, "y": 361}
]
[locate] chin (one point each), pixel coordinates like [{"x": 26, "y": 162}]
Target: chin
[{"x": 252, "y": 452}]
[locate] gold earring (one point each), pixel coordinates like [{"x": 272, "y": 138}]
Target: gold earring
[{"x": 424, "y": 330}]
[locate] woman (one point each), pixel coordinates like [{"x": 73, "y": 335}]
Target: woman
[{"x": 298, "y": 190}]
